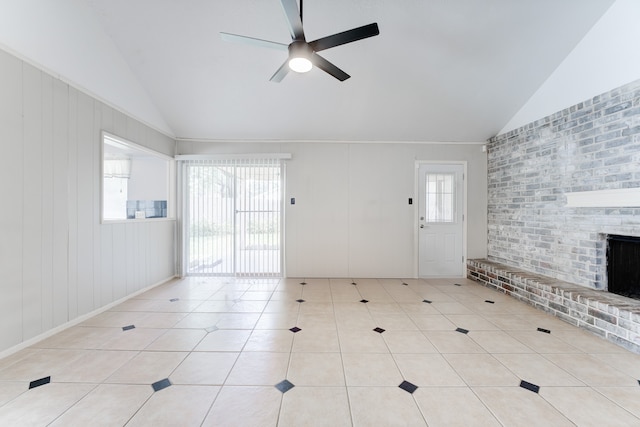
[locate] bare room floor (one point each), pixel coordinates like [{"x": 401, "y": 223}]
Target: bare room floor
[{"x": 334, "y": 352}]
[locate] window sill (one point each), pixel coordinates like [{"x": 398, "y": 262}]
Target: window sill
[{"x": 132, "y": 221}]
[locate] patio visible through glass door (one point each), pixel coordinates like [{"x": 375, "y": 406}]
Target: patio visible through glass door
[{"x": 232, "y": 221}]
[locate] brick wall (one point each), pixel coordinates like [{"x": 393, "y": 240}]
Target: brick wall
[{"x": 594, "y": 145}]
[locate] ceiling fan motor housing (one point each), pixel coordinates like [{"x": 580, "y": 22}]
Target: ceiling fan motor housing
[{"x": 300, "y": 49}]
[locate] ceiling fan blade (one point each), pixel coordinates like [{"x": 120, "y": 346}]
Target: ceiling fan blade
[
  {"x": 290, "y": 8},
  {"x": 253, "y": 41},
  {"x": 345, "y": 37},
  {"x": 281, "y": 73},
  {"x": 328, "y": 67}
]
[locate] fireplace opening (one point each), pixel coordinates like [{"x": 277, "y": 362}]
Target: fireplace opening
[{"x": 623, "y": 265}]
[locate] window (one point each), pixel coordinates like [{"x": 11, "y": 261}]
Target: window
[
  {"x": 136, "y": 181},
  {"x": 440, "y": 197}
]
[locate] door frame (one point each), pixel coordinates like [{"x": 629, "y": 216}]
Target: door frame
[{"x": 416, "y": 211}]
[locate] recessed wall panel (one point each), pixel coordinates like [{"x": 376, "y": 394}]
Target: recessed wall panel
[
  {"x": 11, "y": 246},
  {"x": 47, "y": 202},
  {"x": 60, "y": 203},
  {"x": 32, "y": 201}
]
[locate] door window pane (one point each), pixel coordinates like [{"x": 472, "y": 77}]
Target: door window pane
[{"x": 440, "y": 197}]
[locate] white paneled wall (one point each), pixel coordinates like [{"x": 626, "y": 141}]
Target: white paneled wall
[
  {"x": 352, "y": 217},
  {"x": 57, "y": 261},
  {"x": 317, "y": 240},
  {"x": 381, "y": 180}
]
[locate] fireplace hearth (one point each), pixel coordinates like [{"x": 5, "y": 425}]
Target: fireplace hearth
[
  {"x": 612, "y": 317},
  {"x": 623, "y": 265}
]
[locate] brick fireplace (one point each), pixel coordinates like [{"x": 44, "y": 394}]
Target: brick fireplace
[
  {"x": 535, "y": 227},
  {"x": 591, "y": 146}
]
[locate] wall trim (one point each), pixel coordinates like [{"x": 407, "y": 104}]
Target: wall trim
[
  {"x": 320, "y": 141},
  {"x": 248, "y": 156}
]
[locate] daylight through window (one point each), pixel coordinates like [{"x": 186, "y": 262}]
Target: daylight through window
[{"x": 136, "y": 181}]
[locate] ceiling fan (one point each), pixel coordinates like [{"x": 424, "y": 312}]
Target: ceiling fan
[{"x": 302, "y": 54}]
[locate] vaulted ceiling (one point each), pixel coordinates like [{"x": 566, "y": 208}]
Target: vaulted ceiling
[{"x": 440, "y": 70}]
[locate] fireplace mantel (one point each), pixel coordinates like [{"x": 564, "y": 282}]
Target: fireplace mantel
[{"x": 614, "y": 198}]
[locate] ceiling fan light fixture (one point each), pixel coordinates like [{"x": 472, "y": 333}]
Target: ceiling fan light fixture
[
  {"x": 300, "y": 64},
  {"x": 299, "y": 57}
]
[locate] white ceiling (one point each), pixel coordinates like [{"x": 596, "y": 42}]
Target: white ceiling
[{"x": 440, "y": 70}]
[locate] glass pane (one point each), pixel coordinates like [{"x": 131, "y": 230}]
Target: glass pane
[{"x": 440, "y": 197}]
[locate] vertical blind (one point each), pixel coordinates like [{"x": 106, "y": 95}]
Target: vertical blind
[{"x": 232, "y": 217}]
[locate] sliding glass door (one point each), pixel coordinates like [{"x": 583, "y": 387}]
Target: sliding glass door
[{"x": 232, "y": 217}]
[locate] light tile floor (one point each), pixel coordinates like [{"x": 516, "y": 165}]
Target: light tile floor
[{"x": 228, "y": 352}]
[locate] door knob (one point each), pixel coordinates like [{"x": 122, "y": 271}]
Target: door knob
[{"x": 421, "y": 225}]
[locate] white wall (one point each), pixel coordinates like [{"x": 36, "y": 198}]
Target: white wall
[
  {"x": 352, "y": 217},
  {"x": 606, "y": 58},
  {"x": 57, "y": 261},
  {"x": 78, "y": 49},
  {"x": 141, "y": 187}
]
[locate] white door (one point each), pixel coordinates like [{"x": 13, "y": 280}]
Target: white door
[{"x": 440, "y": 220}]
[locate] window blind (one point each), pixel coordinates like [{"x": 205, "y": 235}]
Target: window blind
[{"x": 232, "y": 216}]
